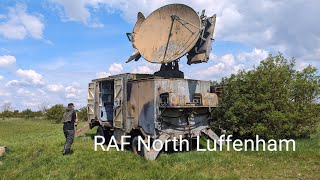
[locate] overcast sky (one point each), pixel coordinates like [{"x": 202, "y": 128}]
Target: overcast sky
[{"x": 51, "y": 49}]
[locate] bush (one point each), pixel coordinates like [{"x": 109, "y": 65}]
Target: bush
[
  {"x": 16, "y": 114},
  {"x": 55, "y": 113},
  {"x": 6, "y": 114},
  {"x": 273, "y": 101},
  {"x": 82, "y": 114},
  {"x": 28, "y": 114}
]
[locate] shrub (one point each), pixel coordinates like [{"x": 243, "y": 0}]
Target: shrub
[
  {"x": 6, "y": 114},
  {"x": 28, "y": 114},
  {"x": 82, "y": 114},
  {"x": 55, "y": 113},
  {"x": 273, "y": 101}
]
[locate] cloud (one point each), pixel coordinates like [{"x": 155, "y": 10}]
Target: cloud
[
  {"x": 28, "y": 95},
  {"x": 283, "y": 26},
  {"x": 102, "y": 74},
  {"x": 18, "y": 24},
  {"x": 25, "y": 92},
  {"x": 53, "y": 66},
  {"x": 229, "y": 64},
  {"x": 78, "y": 11},
  {"x": 55, "y": 87},
  {"x": 30, "y": 104},
  {"x": 22, "y": 91},
  {"x": 12, "y": 83},
  {"x": 4, "y": 93},
  {"x": 30, "y": 76},
  {"x": 1, "y": 78},
  {"x": 256, "y": 55},
  {"x": 31, "y": 93},
  {"x": 224, "y": 65},
  {"x": 144, "y": 67},
  {"x": 114, "y": 68},
  {"x": 4, "y": 50},
  {"x": 143, "y": 70},
  {"x": 213, "y": 57},
  {"x": 31, "y": 97},
  {"x": 7, "y": 60},
  {"x": 74, "y": 91}
]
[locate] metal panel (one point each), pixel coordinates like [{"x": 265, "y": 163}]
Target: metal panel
[
  {"x": 133, "y": 103},
  {"x": 147, "y": 107},
  {"x": 201, "y": 51},
  {"x": 90, "y": 99},
  {"x": 96, "y": 99},
  {"x": 118, "y": 103},
  {"x": 182, "y": 91}
]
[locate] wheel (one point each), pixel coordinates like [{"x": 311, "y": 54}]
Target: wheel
[
  {"x": 134, "y": 146},
  {"x": 100, "y": 132},
  {"x": 107, "y": 134}
]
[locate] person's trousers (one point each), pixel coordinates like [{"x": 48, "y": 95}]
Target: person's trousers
[{"x": 69, "y": 134}]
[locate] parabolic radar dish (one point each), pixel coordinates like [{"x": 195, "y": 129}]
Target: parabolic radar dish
[{"x": 167, "y": 34}]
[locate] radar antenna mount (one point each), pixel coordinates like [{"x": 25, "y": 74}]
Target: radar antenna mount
[{"x": 170, "y": 70}]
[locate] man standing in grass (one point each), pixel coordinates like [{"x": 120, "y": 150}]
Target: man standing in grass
[{"x": 69, "y": 120}]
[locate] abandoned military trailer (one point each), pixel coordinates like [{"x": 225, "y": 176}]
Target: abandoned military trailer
[{"x": 163, "y": 105}]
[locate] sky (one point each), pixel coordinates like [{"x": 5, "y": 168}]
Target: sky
[{"x": 51, "y": 49}]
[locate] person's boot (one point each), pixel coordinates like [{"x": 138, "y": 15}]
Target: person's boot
[{"x": 66, "y": 151}]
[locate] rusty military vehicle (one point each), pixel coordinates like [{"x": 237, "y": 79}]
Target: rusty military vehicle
[{"x": 162, "y": 105}]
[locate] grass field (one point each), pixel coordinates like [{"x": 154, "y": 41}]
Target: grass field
[{"x": 35, "y": 146}]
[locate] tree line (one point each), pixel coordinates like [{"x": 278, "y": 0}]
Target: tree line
[{"x": 53, "y": 113}]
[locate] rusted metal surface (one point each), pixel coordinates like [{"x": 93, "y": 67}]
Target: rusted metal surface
[
  {"x": 167, "y": 34},
  {"x": 145, "y": 105},
  {"x": 141, "y": 102},
  {"x": 156, "y": 107},
  {"x": 210, "y": 99}
]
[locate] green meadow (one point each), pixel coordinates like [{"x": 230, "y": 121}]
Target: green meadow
[{"x": 34, "y": 151}]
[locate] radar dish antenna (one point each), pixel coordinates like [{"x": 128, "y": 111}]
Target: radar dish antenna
[{"x": 167, "y": 34}]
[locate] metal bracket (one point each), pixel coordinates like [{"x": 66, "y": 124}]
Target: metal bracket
[{"x": 129, "y": 36}]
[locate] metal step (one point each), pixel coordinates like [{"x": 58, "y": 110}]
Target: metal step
[{"x": 82, "y": 130}]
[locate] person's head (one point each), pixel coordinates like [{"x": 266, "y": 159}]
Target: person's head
[{"x": 70, "y": 106}]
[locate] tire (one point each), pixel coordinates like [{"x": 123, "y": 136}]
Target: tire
[{"x": 134, "y": 147}]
